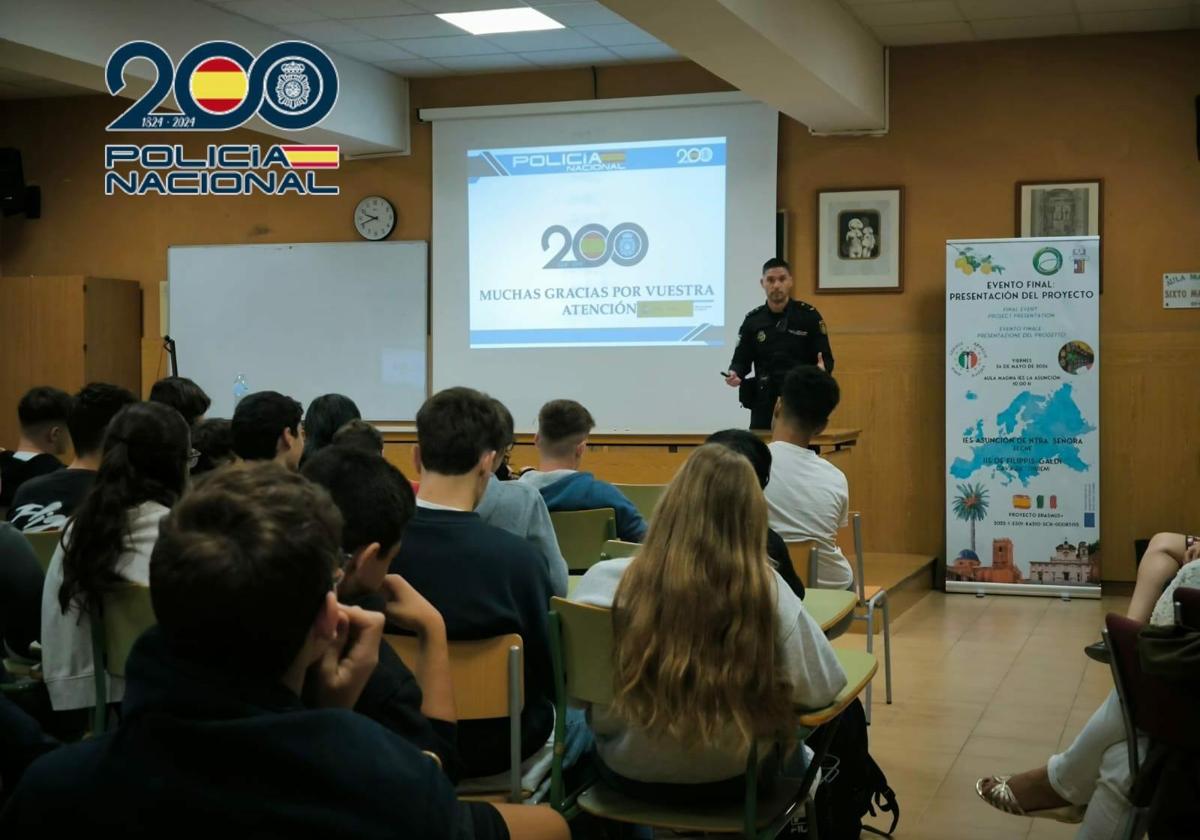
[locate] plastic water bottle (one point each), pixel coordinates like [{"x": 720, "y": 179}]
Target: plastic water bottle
[{"x": 240, "y": 388}]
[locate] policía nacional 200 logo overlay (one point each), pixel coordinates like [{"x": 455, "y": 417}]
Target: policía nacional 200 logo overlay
[{"x": 219, "y": 86}]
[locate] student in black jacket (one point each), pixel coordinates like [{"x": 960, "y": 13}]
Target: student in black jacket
[
  {"x": 376, "y": 502},
  {"x": 214, "y": 740},
  {"x": 483, "y": 580}
]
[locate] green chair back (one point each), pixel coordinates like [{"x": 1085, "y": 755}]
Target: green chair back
[
  {"x": 44, "y": 543},
  {"x": 582, "y": 534},
  {"x": 619, "y": 548},
  {"x": 643, "y": 496},
  {"x": 585, "y": 641},
  {"x": 126, "y": 613}
]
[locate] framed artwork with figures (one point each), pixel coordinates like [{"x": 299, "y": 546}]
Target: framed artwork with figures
[{"x": 859, "y": 240}]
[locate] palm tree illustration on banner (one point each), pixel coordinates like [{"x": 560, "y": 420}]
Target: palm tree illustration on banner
[{"x": 970, "y": 505}]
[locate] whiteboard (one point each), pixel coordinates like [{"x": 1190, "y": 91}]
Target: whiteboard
[{"x": 304, "y": 320}]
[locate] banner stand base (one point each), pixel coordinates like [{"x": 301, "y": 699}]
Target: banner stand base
[{"x": 966, "y": 587}]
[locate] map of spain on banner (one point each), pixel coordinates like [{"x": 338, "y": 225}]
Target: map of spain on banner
[{"x": 1022, "y": 416}]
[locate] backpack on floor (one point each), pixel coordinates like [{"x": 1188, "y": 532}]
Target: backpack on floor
[{"x": 852, "y": 784}]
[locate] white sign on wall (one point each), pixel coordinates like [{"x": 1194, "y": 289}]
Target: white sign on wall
[{"x": 1181, "y": 291}]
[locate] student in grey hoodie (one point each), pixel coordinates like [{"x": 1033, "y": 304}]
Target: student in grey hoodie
[{"x": 519, "y": 509}]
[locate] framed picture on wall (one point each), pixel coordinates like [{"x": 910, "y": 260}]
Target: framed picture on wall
[
  {"x": 859, "y": 240},
  {"x": 1058, "y": 208}
]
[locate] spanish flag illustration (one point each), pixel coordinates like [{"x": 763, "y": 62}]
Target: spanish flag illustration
[
  {"x": 219, "y": 85},
  {"x": 311, "y": 157}
]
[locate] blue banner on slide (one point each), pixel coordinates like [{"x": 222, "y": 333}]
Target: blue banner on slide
[
  {"x": 607, "y": 157},
  {"x": 584, "y": 336}
]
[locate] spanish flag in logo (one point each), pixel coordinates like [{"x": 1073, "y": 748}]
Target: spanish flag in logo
[
  {"x": 219, "y": 85},
  {"x": 612, "y": 157},
  {"x": 311, "y": 157}
]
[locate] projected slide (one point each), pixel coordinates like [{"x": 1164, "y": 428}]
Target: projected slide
[{"x": 616, "y": 244}]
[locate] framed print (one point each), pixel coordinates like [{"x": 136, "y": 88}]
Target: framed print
[
  {"x": 859, "y": 240},
  {"x": 1058, "y": 208}
]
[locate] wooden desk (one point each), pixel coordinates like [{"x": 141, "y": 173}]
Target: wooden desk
[{"x": 829, "y": 607}]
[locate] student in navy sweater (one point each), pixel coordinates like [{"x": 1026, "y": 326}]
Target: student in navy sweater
[
  {"x": 561, "y": 440},
  {"x": 214, "y": 740},
  {"x": 376, "y": 502},
  {"x": 483, "y": 580}
]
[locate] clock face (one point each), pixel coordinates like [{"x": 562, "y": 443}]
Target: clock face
[{"x": 374, "y": 217}]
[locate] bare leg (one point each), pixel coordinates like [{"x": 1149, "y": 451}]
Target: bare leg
[
  {"x": 1161, "y": 562},
  {"x": 533, "y": 822}
]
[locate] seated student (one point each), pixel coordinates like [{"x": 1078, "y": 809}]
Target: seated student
[
  {"x": 183, "y": 395},
  {"x": 808, "y": 497},
  {"x": 42, "y": 413},
  {"x": 519, "y": 509},
  {"x": 47, "y": 502},
  {"x": 21, "y": 741},
  {"x": 361, "y": 435},
  {"x": 143, "y": 472},
  {"x": 214, "y": 740},
  {"x": 212, "y": 444},
  {"x": 376, "y": 502},
  {"x": 326, "y": 414},
  {"x": 483, "y": 580},
  {"x": 561, "y": 440},
  {"x": 20, "y": 592},
  {"x": 266, "y": 426},
  {"x": 751, "y": 447},
  {"x": 1089, "y": 782},
  {"x": 702, "y": 667}
]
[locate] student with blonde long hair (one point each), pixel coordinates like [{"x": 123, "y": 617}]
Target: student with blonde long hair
[{"x": 712, "y": 650}]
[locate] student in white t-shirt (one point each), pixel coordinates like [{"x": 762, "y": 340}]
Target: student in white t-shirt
[{"x": 808, "y": 497}]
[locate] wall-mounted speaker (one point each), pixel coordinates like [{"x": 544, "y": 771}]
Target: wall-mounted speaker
[{"x": 15, "y": 195}]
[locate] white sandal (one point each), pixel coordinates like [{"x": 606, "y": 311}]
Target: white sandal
[{"x": 1000, "y": 797}]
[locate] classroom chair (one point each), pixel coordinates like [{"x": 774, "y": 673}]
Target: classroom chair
[
  {"x": 643, "y": 496},
  {"x": 870, "y": 599},
  {"x": 803, "y": 554},
  {"x": 489, "y": 682},
  {"x": 581, "y": 646},
  {"x": 581, "y": 535},
  {"x": 122, "y": 616},
  {"x": 1159, "y": 708},
  {"x": 44, "y": 543}
]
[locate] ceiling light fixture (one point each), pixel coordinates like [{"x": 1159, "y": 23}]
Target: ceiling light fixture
[{"x": 495, "y": 21}]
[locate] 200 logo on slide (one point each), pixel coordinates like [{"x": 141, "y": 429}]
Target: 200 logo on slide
[{"x": 594, "y": 245}]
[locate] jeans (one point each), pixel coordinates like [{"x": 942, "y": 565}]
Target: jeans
[{"x": 1094, "y": 770}]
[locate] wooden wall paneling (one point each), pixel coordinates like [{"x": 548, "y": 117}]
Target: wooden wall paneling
[
  {"x": 113, "y": 332},
  {"x": 41, "y": 340}
]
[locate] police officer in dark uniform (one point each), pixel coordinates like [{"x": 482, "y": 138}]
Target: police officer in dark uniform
[{"x": 775, "y": 337}]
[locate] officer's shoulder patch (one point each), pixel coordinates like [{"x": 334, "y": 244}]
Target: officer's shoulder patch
[
  {"x": 806, "y": 307},
  {"x": 756, "y": 310}
]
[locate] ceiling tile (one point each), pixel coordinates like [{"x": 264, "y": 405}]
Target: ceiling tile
[
  {"x": 1028, "y": 27},
  {"x": 1127, "y": 5},
  {"x": 1141, "y": 20},
  {"x": 548, "y": 39},
  {"x": 645, "y": 52},
  {"x": 484, "y": 63},
  {"x": 895, "y": 14},
  {"x": 373, "y": 51},
  {"x": 452, "y": 46},
  {"x": 924, "y": 33},
  {"x": 437, "y": 6},
  {"x": 413, "y": 67},
  {"x": 572, "y": 58},
  {"x": 326, "y": 32},
  {"x": 589, "y": 13},
  {"x": 405, "y": 26},
  {"x": 348, "y": 9},
  {"x": 272, "y": 11},
  {"x": 617, "y": 34},
  {"x": 988, "y": 9}
]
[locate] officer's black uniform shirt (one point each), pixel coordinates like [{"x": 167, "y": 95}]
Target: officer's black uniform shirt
[{"x": 775, "y": 342}]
